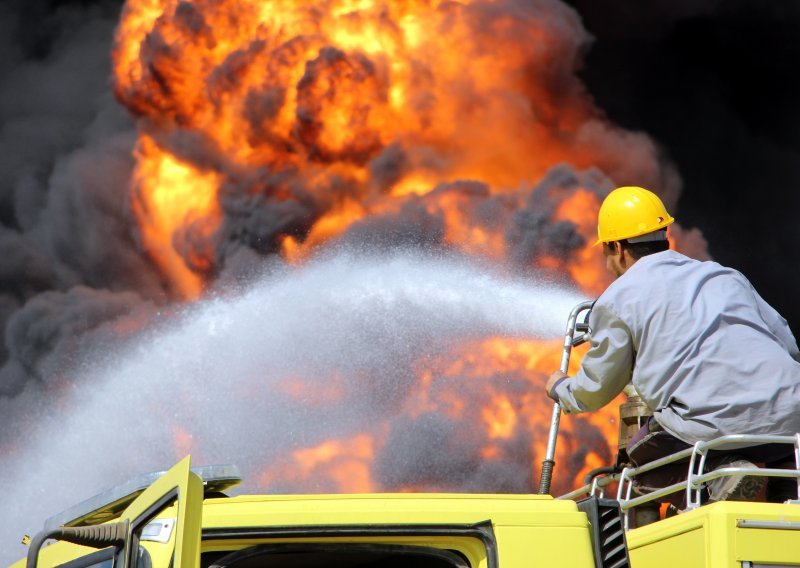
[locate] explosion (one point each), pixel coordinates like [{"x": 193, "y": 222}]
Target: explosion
[
  {"x": 282, "y": 131},
  {"x": 287, "y": 127},
  {"x": 302, "y": 123}
]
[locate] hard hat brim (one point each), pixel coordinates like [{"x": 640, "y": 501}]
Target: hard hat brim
[{"x": 666, "y": 223}]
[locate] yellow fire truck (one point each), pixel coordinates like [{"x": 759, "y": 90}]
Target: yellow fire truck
[{"x": 183, "y": 520}]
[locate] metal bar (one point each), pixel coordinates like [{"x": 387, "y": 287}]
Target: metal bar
[
  {"x": 626, "y": 504},
  {"x": 780, "y": 525},
  {"x": 623, "y": 480},
  {"x": 797, "y": 459},
  {"x": 749, "y": 439},
  {"x": 659, "y": 462},
  {"x": 697, "y": 456},
  {"x": 694, "y": 482},
  {"x": 590, "y": 488},
  {"x": 579, "y": 340},
  {"x": 575, "y": 493},
  {"x": 750, "y": 471},
  {"x": 692, "y": 503},
  {"x": 549, "y": 461},
  {"x": 700, "y": 447}
]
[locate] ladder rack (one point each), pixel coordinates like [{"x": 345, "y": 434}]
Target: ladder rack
[{"x": 696, "y": 477}]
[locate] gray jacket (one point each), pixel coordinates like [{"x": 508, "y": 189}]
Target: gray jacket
[{"x": 702, "y": 348}]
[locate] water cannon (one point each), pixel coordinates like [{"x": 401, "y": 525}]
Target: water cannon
[
  {"x": 571, "y": 340},
  {"x": 633, "y": 413}
]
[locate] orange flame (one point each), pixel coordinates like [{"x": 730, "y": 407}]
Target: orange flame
[
  {"x": 325, "y": 92},
  {"x": 174, "y": 196},
  {"x": 345, "y": 464},
  {"x": 183, "y": 440},
  {"x": 587, "y": 267}
]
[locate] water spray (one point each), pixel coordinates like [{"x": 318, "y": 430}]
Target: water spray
[{"x": 352, "y": 325}]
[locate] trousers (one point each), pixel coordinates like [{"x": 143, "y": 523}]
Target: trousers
[{"x": 652, "y": 442}]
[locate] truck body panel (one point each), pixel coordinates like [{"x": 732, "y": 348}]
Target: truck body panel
[
  {"x": 725, "y": 534},
  {"x": 173, "y": 524}
]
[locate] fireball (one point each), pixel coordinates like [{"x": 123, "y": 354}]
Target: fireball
[{"x": 287, "y": 127}]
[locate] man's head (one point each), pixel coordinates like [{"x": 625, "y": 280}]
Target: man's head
[
  {"x": 621, "y": 255},
  {"x": 631, "y": 224}
]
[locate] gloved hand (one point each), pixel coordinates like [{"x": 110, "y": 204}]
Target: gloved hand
[{"x": 554, "y": 379}]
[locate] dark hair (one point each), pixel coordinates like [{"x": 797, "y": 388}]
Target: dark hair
[{"x": 638, "y": 250}]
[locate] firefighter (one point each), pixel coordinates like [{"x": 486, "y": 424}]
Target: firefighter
[{"x": 704, "y": 351}]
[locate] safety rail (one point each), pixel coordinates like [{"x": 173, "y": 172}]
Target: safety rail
[
  {"x": 696, "y": 478},
  {"x": 594, "y": 489}
]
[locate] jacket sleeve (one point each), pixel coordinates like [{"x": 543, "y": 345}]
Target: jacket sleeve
[
  {"x": 777, "y": 325},
  {"x": 605, "y": 369}
]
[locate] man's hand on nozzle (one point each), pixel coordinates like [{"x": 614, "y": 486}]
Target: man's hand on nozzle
[{"x": 554, "y": 379}]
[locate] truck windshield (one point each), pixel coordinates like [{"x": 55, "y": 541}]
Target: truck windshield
[{"x": 309, "y": 555}]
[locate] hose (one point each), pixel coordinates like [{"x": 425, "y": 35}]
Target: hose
[{"x": 96, "y": 536}]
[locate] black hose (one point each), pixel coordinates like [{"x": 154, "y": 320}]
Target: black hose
[
  {"x": 96, "y": 536},
  {"x": 589, "y": 477}
]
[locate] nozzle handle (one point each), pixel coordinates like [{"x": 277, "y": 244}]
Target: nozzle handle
[
  {"x": 549, "y": 461},
  {"x": 547, "y": 476},
  {"x": 569, "y": 342}
]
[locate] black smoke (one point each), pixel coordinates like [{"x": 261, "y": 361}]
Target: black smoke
[{"x": 70, "y": 267}]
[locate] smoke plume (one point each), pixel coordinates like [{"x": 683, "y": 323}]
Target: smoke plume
[{"x": 78, "y": 263}]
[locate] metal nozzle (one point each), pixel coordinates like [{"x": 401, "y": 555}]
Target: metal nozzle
[{"x": 633, "y": 414}]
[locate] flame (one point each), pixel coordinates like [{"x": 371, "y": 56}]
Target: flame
[
  {"x": 326, "y": 93},
  {"x": 344, "y": 464},
  {"x": 174, "y": 196},
  {"x": 587, "y": 267},
  {"x": 330, "y": 225},
  {"x": 183, "y": 441},
  {"x": 500, "y": 417},
  {"x": 508, "y": 374},
  {"x": 334, "y": 113},
  {"x": 313, "y": 393}
]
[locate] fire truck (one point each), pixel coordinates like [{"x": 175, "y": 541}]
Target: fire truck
[{"x": 183, "y": 518}]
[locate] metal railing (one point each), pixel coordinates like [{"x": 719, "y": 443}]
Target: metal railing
[{"x": 696, "y": 477}]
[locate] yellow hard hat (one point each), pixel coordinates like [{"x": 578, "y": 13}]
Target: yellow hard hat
[{"x": 629, "y": 212}]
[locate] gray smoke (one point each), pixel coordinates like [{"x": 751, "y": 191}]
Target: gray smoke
[
  {"x": 533, "y": 233},
  {"x": 71, "y": 267}
]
